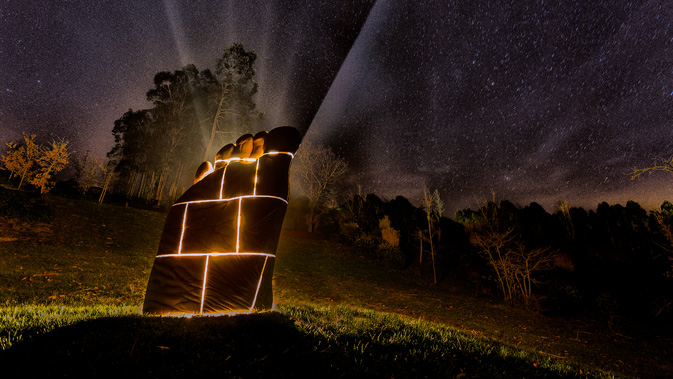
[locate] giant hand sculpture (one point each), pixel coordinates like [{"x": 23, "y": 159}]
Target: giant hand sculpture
[{"x": 218, "y": 246}]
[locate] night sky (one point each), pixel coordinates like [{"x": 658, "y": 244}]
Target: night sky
[{"x": 533, "y": 101}]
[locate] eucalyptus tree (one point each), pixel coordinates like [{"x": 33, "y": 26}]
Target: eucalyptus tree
[
  {"x": 315, "y": 172},
  {"x": 230, "y": 93},
  {"x": 190, "y": 110}
]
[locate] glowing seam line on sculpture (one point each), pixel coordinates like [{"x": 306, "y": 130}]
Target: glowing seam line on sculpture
[
  {"x": 222, "y": 182},
  {"x": 278, "y": 152},
  {"x": 238, "y": 224},
  {"x": 236, "y": 160},
  {"x": 254, "y": 188},
  {"x": 231, "y": 198},
  {"x": 259, "y": 284},
  {"x": 184, "y": 222},
  {"x": 205, "y": 276},
  {"x": 187, "y": 255},
  {"x": 252, "y": 159}
]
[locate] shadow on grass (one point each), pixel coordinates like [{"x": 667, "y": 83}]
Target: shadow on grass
[
  {"x": 259, "y": 345},
  {"x": 247, "y": 346}
]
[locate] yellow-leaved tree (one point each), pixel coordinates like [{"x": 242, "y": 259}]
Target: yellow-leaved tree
[
  {"x": 50, "y": 162},
  {"x": 20, "y": 158},
  {"x": 433, "y": 207}
]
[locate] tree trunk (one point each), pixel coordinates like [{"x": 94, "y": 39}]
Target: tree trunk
[
  {"x": 213, "y": 128},
  {"x": 22, "y": 177},
  {"x": 108, "y": 177}
]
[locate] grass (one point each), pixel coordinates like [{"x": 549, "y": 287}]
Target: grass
[
  {"x": 72, "y": 293},
  {"x": 88, "y": 253},
  {"x": 299, "y": 341}
]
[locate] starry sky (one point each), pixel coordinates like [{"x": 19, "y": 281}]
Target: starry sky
[{"x": 522, "y": 100}]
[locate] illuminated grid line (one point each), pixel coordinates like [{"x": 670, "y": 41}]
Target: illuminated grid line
[
  {"x": 250, "y": 160},
  {"x": 182, "y": 234},
  {"x": 222, "y": 182},
  {"x": 230, "y": 199},
  {"x": 259, "y": 284},
  {"x": 254, "y": 188},
  {"x": 238, "y": 223},
  {"x": 205, "y": 277},
  {"x": 187, "y": 255}
]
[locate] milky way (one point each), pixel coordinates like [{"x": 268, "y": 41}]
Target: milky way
[{"x": 534, "y": 102}]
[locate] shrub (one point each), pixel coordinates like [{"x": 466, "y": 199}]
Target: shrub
[
  {"x": 392, "y": 256},
  {"x": 24, "y": 206},
  {"x": 391, "y": 237},
  {"x": 366, "y": 247},
  {"x": 349, "y": 232}
]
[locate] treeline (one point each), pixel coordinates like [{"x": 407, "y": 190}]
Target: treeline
[
  {"x": 193, "y": 113},
  {"x": 616, "y": 260}
]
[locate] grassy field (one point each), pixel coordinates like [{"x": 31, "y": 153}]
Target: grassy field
[{"x": 71, "y": 289}]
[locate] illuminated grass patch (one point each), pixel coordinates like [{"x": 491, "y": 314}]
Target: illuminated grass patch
[{"x": 390, "y": 345}]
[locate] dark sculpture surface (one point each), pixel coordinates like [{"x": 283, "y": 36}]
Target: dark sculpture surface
[{"x": 218, "y": 246}]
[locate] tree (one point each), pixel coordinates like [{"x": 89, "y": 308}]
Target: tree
[
  {"x": 192, "y": 111},
  {"x": 433, "y": 207},
  {"x": 315, "y": 170},
  {"x": 231, "y": 91},
  {"x": 20, "y": 159},
  {"x": 108, "y": 170},
  {"x": 514, "y": 263},
  {"x": 51, "y": 161},
  {"x": 660, "y": 164},
  {"x": 86, "y": 171}
]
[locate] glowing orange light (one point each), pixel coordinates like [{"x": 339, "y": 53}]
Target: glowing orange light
[
  {"x": 222, "y": 182},
  {"x": 232, "y": 198},
  {"x": 214, "y": 254},
  {"x": 205, "y": 277},
  {"x": 238, "y": 226},
  {"x": 182, "y": 234},
  {"x": 259, "y": 284}
]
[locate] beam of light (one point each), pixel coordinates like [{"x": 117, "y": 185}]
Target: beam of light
[
  {"x": 171, "y": 11},
  {"x": 259, "y": 284},
  {"x": 182, "y": 234},
  {"x": 205, "y": 278}
]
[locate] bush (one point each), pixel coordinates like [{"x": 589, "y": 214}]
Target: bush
[
  {"x": 391, "y": 237},
  {"x": 366, "y": 247},
  {"x": 348, "y": 232},
  {"x": 25, "y": 206},
  {"x": 392, "y": 256}
]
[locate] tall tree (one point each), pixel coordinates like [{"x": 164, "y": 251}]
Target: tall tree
[
  {"x": 315, "y": 170},
  {"x": 190, "y": 111},
  {"x": 231, "y": 93},
  {"x": 433, "y": 206},
  {"x": 51, "y": 161},
  {"x": 21, "y": 158}
]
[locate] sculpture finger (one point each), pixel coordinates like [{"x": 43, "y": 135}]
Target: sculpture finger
[
  {"x": 258, "y": 144},
  {"x": 243, "y": 147},
  {"x": 204, "y": 169},
  {"x": 223, "y": 155}
]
